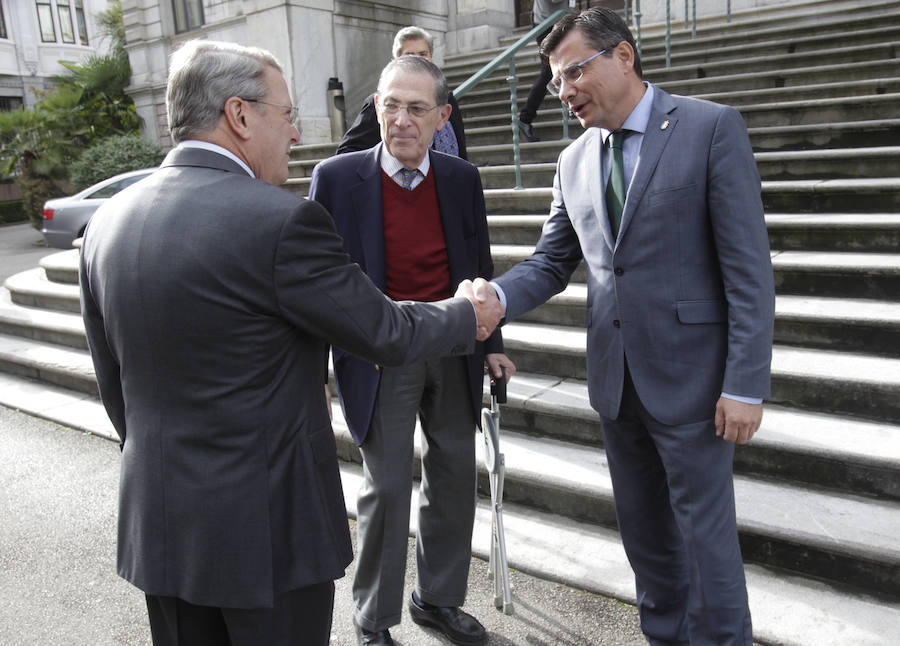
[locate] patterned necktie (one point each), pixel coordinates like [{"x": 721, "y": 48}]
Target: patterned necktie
[
  {"x": 445, "y": 140},
  {"x": 407, "y": 176},
  {"x": 615, "y": 188}
]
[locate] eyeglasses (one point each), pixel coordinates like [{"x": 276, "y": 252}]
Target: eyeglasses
[
  {"x": 414, "y": 109},
  {"x": 295, "y": 111},
  {"x": 572, "y": 74}
]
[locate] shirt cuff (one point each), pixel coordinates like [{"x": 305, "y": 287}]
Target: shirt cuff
[
  {"x": 746, "y": 400},
  {"x": 500, "y": 294}
]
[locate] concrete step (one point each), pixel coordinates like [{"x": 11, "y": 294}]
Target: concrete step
[
  {"x": 32, "y": 288},
  {"x": 880, "y": 161},
  {"x": 839, "y": 382},
  {"x": 781, "y": 525},
  {"x": 61, "y": 328},
  {"x": 48, "y": 363},
  {"x": 864, "y": 195},
  {"x": 874, "y": 276},
  {"x": 788, "y": 610},
  {"x": 864, "y": 232},
  {"x": 782, "y": 113}
]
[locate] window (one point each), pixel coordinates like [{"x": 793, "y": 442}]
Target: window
[
  {"x": 2, "y": 23},
  {"x": 11, "y": 102},
  {"x": 79, "y": 19},
  {"x": 64, "y": 11},
  {"x": 188, "y": 14},
  {"x": 45, "y": 19}
]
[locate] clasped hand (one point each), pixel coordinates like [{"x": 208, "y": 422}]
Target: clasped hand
[{"x": 488, "y": 309}]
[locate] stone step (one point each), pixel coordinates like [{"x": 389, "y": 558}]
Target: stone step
[
  {"x": 61, "y": 328},
  {"x": 810, "y": 69},
  {"x": 864, "y": 232},
  {"x": 783, "y": 113},
  {"x": 879, "y": 161},
  {"x": 874, "y": 276},
  {"x": 737, "y": 98},
  {"x": 843, "y": 539},
  {"x": 787, "y": 609},
  {"x": 839, "y": 382},
  {"x": 32, "y": 288},
  {"x": 864, "y": 195},
  {"x": 48, "y": 363}
]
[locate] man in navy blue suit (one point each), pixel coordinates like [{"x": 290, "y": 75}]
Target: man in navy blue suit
[{"x": 414, "y": 219}]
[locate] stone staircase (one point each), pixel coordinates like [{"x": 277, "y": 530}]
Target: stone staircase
[{"x": 818, "y": 489}]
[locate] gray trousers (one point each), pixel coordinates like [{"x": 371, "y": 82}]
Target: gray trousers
[{"x": 436, "y": 389}]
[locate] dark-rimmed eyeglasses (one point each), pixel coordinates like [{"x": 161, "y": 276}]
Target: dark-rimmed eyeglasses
[
  {"x": 416, "y": 110},
  {"x": 572, "y": 74},
  {"x": 295, "y": 111}
]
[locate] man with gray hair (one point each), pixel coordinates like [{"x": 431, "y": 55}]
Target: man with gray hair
[
  {"x": 414, "y": 219},
  {"x": 209, "y": 297},
  {"x": 364, "y": 132}
]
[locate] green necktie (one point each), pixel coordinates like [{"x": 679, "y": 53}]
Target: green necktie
[{"x": 615, "y": 188}]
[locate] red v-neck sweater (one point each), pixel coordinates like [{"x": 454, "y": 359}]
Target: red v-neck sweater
[{"x": 415, "y": 249}]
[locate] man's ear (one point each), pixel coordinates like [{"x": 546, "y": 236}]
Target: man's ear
[
  {"x": 624, "y": 55},
  {"x": 444, "y": 116},
  {"x": 235, "y": 114}
]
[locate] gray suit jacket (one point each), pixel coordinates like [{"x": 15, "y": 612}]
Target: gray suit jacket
[
  {"x": 209, "y": 298},
  {"x": 687, "y": 292}
]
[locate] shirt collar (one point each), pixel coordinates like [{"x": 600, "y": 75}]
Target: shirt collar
[
  {"x": 390, "y": 164},
  {"x": 639, "y": 118},
  {"x": 205, "y": 145}
]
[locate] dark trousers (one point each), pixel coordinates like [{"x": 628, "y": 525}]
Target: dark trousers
[
  {"x": 538, "y": 88},
  {"x": 674, "y": 496},
  {"x": 301, "y": 616}
]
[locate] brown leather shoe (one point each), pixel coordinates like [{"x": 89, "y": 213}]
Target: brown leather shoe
[{"x": 458, "y": 626}]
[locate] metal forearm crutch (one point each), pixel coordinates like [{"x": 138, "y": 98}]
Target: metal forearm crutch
[{"x": 494, "y": 462}]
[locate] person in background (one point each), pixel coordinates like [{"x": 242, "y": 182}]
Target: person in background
[
  {"x": 209, "y": 297},
  {"x": 540, "y": 11},
  {"x": 364, "y": 132},
  {"x": 414, "y": 219},
  {"x": 660, "y": 197}
]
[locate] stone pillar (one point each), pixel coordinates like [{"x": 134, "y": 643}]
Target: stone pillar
[{"x": 478, "y": 24}]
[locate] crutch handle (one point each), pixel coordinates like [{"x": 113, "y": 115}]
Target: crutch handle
[{"x": 498, "y": 386}]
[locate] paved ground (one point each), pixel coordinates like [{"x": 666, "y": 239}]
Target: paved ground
[
  {"x": 58, "y": 585},
  {"x": 21, "y": 246}
]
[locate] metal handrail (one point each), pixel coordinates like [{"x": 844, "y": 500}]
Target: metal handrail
[{"x": 509, "y": 55}]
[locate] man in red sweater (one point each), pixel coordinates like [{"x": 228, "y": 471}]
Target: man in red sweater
[{"x": 414, "y": 219}]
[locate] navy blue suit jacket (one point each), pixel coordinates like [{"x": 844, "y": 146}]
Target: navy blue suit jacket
[{"x": 349, "y": 186}]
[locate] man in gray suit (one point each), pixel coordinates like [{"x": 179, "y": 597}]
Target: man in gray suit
[
  {"x": 209, "y": 297},
  {"x": 680, "y": 316}
]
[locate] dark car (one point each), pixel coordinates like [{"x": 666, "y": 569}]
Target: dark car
[{"x": 66, "y": 217}]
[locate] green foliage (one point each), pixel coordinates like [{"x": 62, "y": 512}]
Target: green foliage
[
  {"x": 11, "y": 211},
  {"x": 112, "y": 156}
]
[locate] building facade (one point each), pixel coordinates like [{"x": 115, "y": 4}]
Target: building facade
[{"x": 35, "y": 35}]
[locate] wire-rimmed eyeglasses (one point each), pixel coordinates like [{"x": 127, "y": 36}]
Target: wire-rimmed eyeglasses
[
  {"x": 295, "y": 111},
  {"x": 572, "y": 74},
  {"x": 416, "y": 110}
]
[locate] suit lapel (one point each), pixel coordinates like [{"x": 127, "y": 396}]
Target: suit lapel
[
  {"x": 447, "y": 186},
  {"x": 659, "y": 128},
  {"x": 367, "y": 206}
]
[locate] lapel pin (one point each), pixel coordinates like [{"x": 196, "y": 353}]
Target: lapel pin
[{"x": 665, "y": 124}]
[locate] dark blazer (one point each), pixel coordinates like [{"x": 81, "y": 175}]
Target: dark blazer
[
  {"x": 209, "y": 298},
  {"x": 349, "y": 186},
  {"x": 365, "y": 132},
  {"x": 687, "y": 292}
]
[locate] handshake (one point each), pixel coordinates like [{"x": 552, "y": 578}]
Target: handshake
[{"x": 488, "y": 309}]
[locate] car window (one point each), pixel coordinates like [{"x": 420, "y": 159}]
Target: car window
[{"x": 115, "y": 187}]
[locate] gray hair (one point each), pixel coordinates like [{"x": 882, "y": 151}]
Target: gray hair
[
  {"x": 203, "y": 74},
  {"x": 412, "y": 33},
  {"x": 417, "y": 65}
]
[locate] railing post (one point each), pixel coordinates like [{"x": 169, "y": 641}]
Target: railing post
[
  {"x": 637, "y": 22},
  {"x": 627, "y": 13},
  {"x": 687, "y": 19},
  {"x": 512, "y": 79},
  {"x": 565, "y": 121},
  {"x": 668, "y": 34},
  {"x": 728, "y": 11},
  {"x": 694, "y": 19}
]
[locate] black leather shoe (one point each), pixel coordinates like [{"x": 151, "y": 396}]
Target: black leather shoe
[
  {"x": 527, "y": 131},
  {"x": 458, "y": 626},
  {"x": 373, "y": 638}
]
